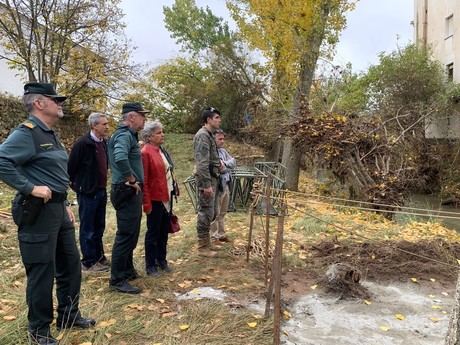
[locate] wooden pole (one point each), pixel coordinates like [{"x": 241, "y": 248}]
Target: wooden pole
[
  {"x": 251, "y": 225},
  {"x": 277, "y": 262},
  {"x": 267, "y": 225},
  {"x": 269, "y": 291}
]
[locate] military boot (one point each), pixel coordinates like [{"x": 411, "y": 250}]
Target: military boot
[{"x": 204, "y": 248}]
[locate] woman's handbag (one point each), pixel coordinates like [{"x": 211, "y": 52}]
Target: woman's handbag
[{"x": 174, "y": 225}]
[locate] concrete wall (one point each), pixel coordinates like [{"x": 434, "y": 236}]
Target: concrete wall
[
  {"x": 11, "y": 81},
  {"x": 437, "y": 25}
]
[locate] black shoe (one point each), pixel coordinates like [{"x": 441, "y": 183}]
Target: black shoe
[
  {"x": 104, "y": 261},
  {"x": 165, "y": 267},
  {"x": 134, "y": 276},
  {"x": 125, "y": 287},
  {"x": 78, "y": 322},
  {"x": 152, "y": 271},
  {"x": 37, "y": 339}
]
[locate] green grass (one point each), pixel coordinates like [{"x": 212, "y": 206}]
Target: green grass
[{"x": 156, "y": 315}]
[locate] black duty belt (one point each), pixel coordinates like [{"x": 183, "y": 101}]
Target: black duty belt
[{"x": 57, "y": 197}]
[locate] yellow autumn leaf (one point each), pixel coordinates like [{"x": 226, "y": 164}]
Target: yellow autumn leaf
[
  {"x": 9, "y": 317},
  {"x": 157, "y": 343},
  {"x": 436, "y": 307},
  {"x": 367, "y": 302},
  {"x": 86, "y": 343},
  {"x": 400, "y": 317},
  {"x": 458, "y": 261},
  {"x": 433, "y": 280},
  {"x": 161, "y": 300},
  {"x": 108, "y": 335},
  {"x": 414, "y": 280},
  {"x": 252, "y": 324},
  {"x": 184, "y": 327},
  {"x": 107, "y": 323},
  {"x": 435, "y": 319},
  {"x": 384, "y": 328},
  {"x": 286, "y": 315},
  {"x": 313, "y": 287}
]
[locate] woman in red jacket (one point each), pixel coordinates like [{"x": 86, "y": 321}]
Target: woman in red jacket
[{"x": 158, "y": 191}]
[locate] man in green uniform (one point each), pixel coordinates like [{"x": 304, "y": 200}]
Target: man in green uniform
[
  {"x": 126, "y": 195},
  {"x": 207, "y": 167},
  {"x": 34, "y": 162}
]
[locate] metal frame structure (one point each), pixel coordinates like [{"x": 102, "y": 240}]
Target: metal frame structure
[{"x": 241, "y": 187}]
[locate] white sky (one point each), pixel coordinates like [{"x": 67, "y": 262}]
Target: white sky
[{"x": 375, "y": 26}]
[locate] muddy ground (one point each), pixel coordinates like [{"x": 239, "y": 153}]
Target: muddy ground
[
  {"x": 410, "y": 297},
  {"x": 382, "y": 262}
]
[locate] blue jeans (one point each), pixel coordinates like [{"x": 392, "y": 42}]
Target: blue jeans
[{"x": 92, "y": 225}]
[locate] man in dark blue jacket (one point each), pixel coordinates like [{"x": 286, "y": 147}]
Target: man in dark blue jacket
[{"x": 87, "y": 169}]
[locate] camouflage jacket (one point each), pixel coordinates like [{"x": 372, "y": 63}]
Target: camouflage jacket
[{"x": 207, "y": 160}]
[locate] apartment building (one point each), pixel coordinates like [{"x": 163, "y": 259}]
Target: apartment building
[
  {"x": 11, "y": 81},
  {"x": 437, "y": 25}
]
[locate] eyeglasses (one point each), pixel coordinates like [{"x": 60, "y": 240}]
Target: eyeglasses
[{"x": 55, "y": 100}]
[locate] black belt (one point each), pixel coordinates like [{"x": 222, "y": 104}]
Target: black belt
[{"x": 57, "y": 197}]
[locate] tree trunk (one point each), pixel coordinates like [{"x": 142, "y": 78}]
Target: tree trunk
[
  {"x": 453, "y": 333},
  {"x": 275, "y": 152},
  {"x": 310, "y": 45},
  {"x": 291, "y": 160}
]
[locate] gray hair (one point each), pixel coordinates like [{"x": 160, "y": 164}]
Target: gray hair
[
  {"x": 94, "y": 118},
  {"x": 124, "y": 116},
  {"x": 149, "y": 128},
  {"x": 29, "y": 99},
  {"x": 219, "y": 132}
]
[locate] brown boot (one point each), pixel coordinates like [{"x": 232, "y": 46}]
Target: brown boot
[{"x": 204, "y": 248}]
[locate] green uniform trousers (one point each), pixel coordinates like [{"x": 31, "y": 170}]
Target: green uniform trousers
[
  {"x": 49, "y": 251},
  {"x": 206, "y": 209}
]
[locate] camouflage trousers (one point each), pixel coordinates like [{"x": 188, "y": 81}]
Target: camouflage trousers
[{"x": 206, "y": 209}]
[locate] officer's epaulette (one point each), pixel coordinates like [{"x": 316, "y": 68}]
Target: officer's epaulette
[{"x": 29, "y": 124}]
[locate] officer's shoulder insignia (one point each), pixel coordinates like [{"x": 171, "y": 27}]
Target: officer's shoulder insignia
[{"x": 29, "y": 124}]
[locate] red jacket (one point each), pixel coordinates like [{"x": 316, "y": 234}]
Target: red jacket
[{"x": 155, "y": 184}]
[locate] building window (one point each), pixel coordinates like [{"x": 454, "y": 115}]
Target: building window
[
  {"x": 450, "y": 72},
  {"x": 450, "y": 26}
]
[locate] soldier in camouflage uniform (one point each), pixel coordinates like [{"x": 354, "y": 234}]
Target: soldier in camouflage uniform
[{"x": 207, "y": 167}]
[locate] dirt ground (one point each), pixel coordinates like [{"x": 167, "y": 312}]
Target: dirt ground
[
  {"x": 381, "y": 262},
  {"x": 409, "y": 298}
]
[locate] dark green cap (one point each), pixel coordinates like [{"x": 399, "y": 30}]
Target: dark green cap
[
  {"x": 134, "y": 106},
  {"x": 44, "y": 89}
]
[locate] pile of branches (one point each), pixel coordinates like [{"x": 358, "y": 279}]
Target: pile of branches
[{"x": 378, "y": 165}]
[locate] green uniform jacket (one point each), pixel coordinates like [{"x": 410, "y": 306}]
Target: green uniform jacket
[
  {"x": 33, "y": 156},
  {"x": 125, "y": 155},
  {"x": 207, "y": 160}
]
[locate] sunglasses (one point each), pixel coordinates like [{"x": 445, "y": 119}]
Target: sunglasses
[{"x": 55, "y": 100}]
